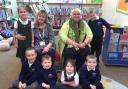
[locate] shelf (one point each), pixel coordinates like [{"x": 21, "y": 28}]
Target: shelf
[
  {"x": 26, "y": 3},
  {"x": 115, "y": 52},
  {"x": 74, "y": 3}
]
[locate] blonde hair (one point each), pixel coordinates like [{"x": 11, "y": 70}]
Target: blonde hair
[
  {"x": 46, "y": 19},
  {"x": 76, "y": 9}
]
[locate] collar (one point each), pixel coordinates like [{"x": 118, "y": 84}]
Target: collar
[
  {"x": 23, "y": 22},
  {"x": 96, "y": 18},
  {"x": 90, "y": 69},
  {"x": 30, "y": 64}
]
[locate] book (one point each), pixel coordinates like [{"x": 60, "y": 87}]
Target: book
[
  {"x": 113, "y": 43},
  {"x": 123, "y": 43}
]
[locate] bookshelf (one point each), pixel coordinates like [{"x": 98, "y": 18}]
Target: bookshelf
[
  {"x": 115, "y": 48},
  {"x": 61, "y": 11}
]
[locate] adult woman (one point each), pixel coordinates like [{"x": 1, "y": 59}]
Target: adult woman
[
  {"x": 43, "y": 36},
  {"x": 75, "y": 36}
]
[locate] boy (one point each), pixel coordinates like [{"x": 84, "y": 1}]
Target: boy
[
  {"x": 96, "y": 24},
  {"x": 47, "y": 76},
  {"x": 28, "y": 74},
  {"x": 90, "y": 75}
]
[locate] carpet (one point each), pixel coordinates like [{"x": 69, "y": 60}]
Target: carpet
[{"x": 111, "y": 84}]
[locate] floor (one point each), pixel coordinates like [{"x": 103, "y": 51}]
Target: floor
[{"x": 10, "y": 67}]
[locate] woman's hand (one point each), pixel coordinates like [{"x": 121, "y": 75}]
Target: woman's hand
[
  {"x": 45, "y": 50},
  {"x": 32, "y": 45},
  {"x": 82, "y": 45},
  {"x": 75, "y": 45}
]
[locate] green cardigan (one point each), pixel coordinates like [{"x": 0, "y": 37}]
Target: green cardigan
[{"x": 67, "y": 32}]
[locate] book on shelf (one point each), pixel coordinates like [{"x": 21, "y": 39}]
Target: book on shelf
[
  {"x": 123, "y": 43},
  {"x": 113, "y": 43},
  {"x": 125, "y": 56}
]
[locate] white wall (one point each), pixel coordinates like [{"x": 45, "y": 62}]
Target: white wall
[{"x": 111, "y": 15}]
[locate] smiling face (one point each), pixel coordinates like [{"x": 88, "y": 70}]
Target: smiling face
[
  {"x": 76, "y": 15},
  {"x": 41, "y": 18},
  {"x": 91, "y": 63},
  {"x": 31, "y": 56},
  {"x": 69, "y": 68},
  {"x": 23, "y": 13},
  {"x": 47, "y": 63}
]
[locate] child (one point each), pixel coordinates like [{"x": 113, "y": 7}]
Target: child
[
  {"x": 69, "y": 77},
  {"x": 43, "y": 36},
  {"x": 96, "y": 24},
  {"x": 23, "y": 33},
  {"x": 28, "y": 74},
  {"x": 47, "y": 76},
  {"x": 90, "y": 75}
]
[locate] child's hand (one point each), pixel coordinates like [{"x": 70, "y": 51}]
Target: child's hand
[
  {"x": 20, "y": 86},
  {"x": 24, "y": 85},
  {"x": 93, "y": 86},
  {"x": 16, "y": 45},
  {"x": 47, "y": 86},
  {"x": 44, "y": 85},
  {"x": 72, "y": 84},
  {"x": 20, "y": 37}
]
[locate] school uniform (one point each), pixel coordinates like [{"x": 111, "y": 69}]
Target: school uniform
[
  {"x": 23, "y": 28},
  {"x": 97, "y": 30},
  {"x": 68, "y": 78},
  {"x": 48, "y": 76},
  {"x": 88, "y": 77},
  {"x": 28, "y": 74}
]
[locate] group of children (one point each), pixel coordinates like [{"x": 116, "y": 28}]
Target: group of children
[{"x": 36, "y": 75}]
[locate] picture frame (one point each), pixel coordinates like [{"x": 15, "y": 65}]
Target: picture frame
[{"x": 122, "y": 6}]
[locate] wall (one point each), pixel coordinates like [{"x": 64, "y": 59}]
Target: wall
[{"x": 111, "y": 15}]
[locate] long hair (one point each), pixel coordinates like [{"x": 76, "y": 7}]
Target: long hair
[
  {"x": 72, "y": 62},
  {"x": 46, "y": 18}
]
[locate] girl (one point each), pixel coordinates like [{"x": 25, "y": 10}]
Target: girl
[
  {"x": 23, "y": 33},
  {"x": 43, "y": 36},
  {"x": 69, "y": 77}
]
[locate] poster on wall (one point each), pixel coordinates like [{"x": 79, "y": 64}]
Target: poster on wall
[{"x": 122, "y": 6}]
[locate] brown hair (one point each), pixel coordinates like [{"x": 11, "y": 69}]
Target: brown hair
[
  {"x": 30, "y": 49},
  {"x": 22, "y": 7},
  {"x": 72, "y": 62},
  {"x": 90, "y": 57},
  {"x": 46, "y": 57},
  {"x": 41, "y": 12}
]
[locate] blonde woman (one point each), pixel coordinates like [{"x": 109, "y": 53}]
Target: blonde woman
[{"x": 75, "y": 36}]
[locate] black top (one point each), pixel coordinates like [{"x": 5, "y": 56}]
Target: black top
[
  {"x": 29, "y": 74},
  {"x": 89, "y": 77},
  {"x": 97, "y": 27},
  {"x": 24, "y": 30},
  {"x": 48, "y": 76}
]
